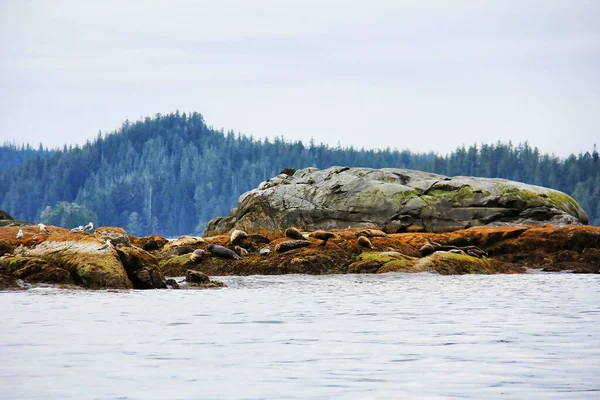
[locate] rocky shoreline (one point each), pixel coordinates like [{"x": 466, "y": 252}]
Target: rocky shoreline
[
  {"x": 335, "y": 221},
  {"x": 73, "y": 260}
]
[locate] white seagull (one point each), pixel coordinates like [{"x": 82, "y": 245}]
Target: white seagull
[
  {"x": 78, "y": 229},
  {"x": 88, "y": 227},
  {"x": 43, "y": 228},
  {"x": 105, "y": 245},
  {"x": 20, "y": 234}
]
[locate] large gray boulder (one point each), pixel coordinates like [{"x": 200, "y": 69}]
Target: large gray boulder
[{"x": 395, "y": 200}]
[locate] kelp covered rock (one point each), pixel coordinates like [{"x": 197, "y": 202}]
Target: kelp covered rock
[
  {"x": 501, "y": 250},
  {"x": 81, "y": 259},
  {"x": 142, "y": 268}
]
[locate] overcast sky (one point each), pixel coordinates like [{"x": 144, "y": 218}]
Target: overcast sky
[{"x": 418, "y": 75}]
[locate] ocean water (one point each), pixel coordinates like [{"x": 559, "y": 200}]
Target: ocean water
[{"x": 405, "y": 336}]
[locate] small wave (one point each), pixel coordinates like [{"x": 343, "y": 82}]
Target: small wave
[{"x": 268, "y": 322}]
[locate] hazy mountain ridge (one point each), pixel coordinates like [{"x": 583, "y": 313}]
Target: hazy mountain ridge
[{"x": 171, "y": 174}]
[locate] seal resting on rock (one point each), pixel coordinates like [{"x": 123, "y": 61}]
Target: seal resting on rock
[
  {"x": 371, "y": 233},
  {"x": 222, "y": 252},
  {"x": 259, "y": 238},
  {"x": 237, "y": 236},
  {"x": 181, "y": 250},
  {"x": 323, "y": 235},
  {"x": 474, "y": 251},
  {"x": 197, "y": 255},
  {"x": 265, "y": 251},
  {"x": 363, "y": 241},
  {"x": 293, "y": 233},
  {"x": 427, "y": 248},
  {"x": 457, "y": 251},
  {"x": 431, "y": 247},
  {"x": 291, "y": 245},
  {"x": 240, "y": 251},
  {"x": 151, "y": 245}
]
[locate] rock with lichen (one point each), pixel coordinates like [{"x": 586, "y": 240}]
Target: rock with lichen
[{"x": 396, "y": 200}]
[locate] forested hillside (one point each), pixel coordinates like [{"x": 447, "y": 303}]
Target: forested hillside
[
  {"x": 170, "y": 174},
  {"x": 12, "y": 155}
]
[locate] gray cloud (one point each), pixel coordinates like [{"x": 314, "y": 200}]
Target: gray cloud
[{"x": 422, "y": 75}]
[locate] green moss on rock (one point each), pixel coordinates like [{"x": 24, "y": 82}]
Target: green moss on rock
[
  {"x": 400, "y": 198},
  {"x": 379, "y": 256},
  {"x": 36, "y": 270},
  {"x": 177, "y": 266},
  {"x": 447, "y": 263}
]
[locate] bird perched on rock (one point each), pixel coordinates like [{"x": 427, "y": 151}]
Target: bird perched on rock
[
  {"x": 294, "y": 233},
  {"x": 105, "y": 245},
  {"x": 323, "y": 235},
  {"x": 43, "y": 228},
  {"x": 20, "y": 234},
  {"x": 197, "y": 255},
  {"x": 221, "y": 251},
  {"x": 237, "y": 236},
  {"x": 88, "y": 227},
  {"x": 78, "y": 229},
  {"x": 363, "y": 241}
]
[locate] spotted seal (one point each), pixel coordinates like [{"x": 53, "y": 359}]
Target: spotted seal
[
  {"x": 323, "y": 235},
  {"x": 197, "y": 255},
  {"x": 363, "y": 241},
  {"x": 291, "y": 245},
  {"x": 237, "y": 236},
  {"x": 293, "y": 233},
  {"x": 222, "y": 252},
  {"x": 265, "y": 251}
]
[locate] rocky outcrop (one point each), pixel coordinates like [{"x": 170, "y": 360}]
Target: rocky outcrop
[
  {"x": 444, "y": 263},
  {"x": 396, "y": 200},
  {"x": 141, "y": 267},
  {"x": 199, "y": 279},
  {"x": 500, "y": 250},
  {"x": 83, "y": 261},
  {"x": 36, "y": 270},
  {"x": 5, "y": 216},
  {"x": 149, "y": 242},
  {"x": 77, "y": 259},
  {"x": 73, "y": 259},
  {"x": 116, "y": 235}
]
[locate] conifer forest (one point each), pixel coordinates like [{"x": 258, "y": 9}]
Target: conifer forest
[{"x": 171, "y": 174}]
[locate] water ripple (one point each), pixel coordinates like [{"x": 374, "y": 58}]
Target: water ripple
[{"x": 297, "y": 336}]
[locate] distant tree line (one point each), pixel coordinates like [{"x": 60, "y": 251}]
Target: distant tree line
[
  {"x": 171, "y": 174},
  {"x": 12, "y": 155}
]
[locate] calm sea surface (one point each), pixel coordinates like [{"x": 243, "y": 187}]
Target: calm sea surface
[{"x": 421, "y": 336}]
